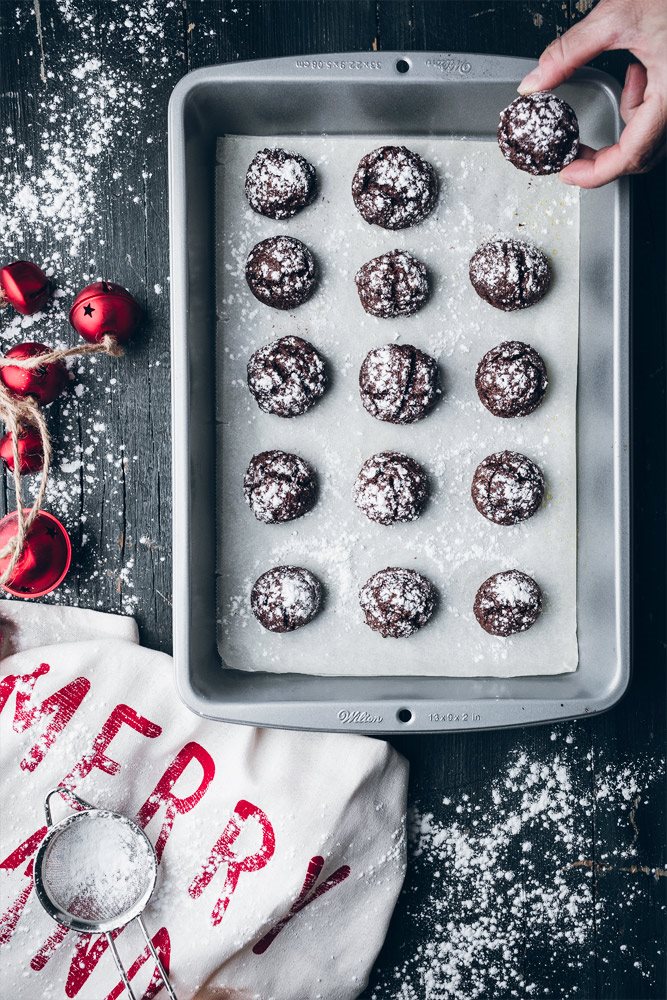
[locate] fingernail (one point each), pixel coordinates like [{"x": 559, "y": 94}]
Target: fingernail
[
  {"x": 565, "y": 180},
  {"x": 530, "y": 83}
]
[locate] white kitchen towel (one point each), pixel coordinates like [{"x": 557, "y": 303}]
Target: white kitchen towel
[{"x": 281, "y": 853}]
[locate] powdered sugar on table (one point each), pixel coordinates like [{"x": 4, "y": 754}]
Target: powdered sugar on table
[
  {"x": 544, "y": 852},
  {"x": 480, "y": 196}
]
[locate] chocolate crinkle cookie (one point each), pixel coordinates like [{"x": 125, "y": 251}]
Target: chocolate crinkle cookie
[
  {"x": 285, "y": 598},
  {"x": 397, "y": 602},
  {"x": 390, "y": 487},
  {"x": 509, "y": 274},
  {"x": 286, "y": 377},
  {"x": 281, "y": 272},
  {"x": 539, "y": 133},
  {"x": 508, "y": 603},
  {"x": 278, "y": 184},
  {"x": 279, "y": 486},
  {"x": 511, "y": 379},
  {"x": 394, "y": 188},
  {"x": 393, "y": 284},
  {"x": 507, "y": 487},
  {"x": 398, "y": 383}
]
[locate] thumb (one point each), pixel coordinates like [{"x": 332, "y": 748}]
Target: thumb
[{"x": 595, "y": 34}]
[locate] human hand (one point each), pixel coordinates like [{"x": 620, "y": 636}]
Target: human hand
[{"x": 641, "y": 27}]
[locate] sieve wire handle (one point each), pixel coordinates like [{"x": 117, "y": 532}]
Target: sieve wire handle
[
  {"x": 119, "y": 965},
  {"x": 160, "y": 967},
  {"x": 64, "y": 791}
]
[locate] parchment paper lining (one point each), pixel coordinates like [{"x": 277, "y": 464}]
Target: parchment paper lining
[{"x": 481, "y": 195}]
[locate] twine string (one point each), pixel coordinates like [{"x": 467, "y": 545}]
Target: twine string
[{"x": 17, "y": 412}]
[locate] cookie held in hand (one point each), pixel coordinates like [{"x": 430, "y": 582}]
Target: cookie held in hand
[{"x": 539, "y": 133}]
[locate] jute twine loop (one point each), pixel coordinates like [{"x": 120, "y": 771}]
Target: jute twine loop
[{"x": 18, "y": 412}]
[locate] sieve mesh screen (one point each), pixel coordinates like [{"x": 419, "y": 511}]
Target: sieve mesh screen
[{"x": 98, "y": 867}]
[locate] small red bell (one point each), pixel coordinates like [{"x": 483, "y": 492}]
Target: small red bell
[
  {"x": 104, "y": 309},
  {"x": 25, "y": 286},
  {"x": 45, "y": 382},
  {"x": 29, "y": 445},
  {"x": 45, "y": 559}
]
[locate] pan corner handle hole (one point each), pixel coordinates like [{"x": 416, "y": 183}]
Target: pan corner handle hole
[
  {"x": 402, "y": 65},
  {"x": 404, "y": 715}
]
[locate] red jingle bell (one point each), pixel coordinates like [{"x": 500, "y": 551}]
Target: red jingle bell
[
  {"x": 29, "y": 446},
  {"x": 104, "y": 309},
  {"x": 44, "y": 382},
  {"x": 45, "y": 559},
  {"x": 25, "y": 286}
]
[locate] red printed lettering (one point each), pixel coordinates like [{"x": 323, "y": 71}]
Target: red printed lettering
[
  {"x": 49, "y": 948},
  {"x": 162, "y": 945},
  {"x": 122, "y": 715},
  {"x": 60, "y": 706},
  {"x": 223, "y": 854},
  {"x": 10, "y": 918},
  {"x": 12, "y": 914},
  {"x": 87, "y": 956},
  {"x": 175, "y": 805},
  {"x": 24, "y": 850},
  {"x": 305, "y": 898}
]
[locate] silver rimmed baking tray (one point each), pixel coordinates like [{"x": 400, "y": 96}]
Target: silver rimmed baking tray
[{"x": 445, "y": 94}]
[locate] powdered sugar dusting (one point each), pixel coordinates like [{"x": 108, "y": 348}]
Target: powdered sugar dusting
[
  {"x": 286, "y": 377},
  {"x": 512, "y": 867},
  {"x": 55, "y": 190}
]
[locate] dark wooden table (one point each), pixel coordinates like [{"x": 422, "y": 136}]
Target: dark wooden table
[{"x": 111, "y": 483}]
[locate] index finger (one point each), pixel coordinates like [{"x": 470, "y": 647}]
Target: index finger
[{"x": 566, "y": 53}]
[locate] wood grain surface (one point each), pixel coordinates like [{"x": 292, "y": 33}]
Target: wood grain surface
[{"x": 112, "y": 476}]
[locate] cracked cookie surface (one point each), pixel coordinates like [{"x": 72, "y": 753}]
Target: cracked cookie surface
[
  {"x": 511, "y": 379},
  {"x": 279, "y": 486},
  {"x": 397, "y": 602},
  {"x": 507, "y": 487},
  {"x": 393, "y": 284},
  {"x": 286, "y": 377},
  {"x": 285, "y": 598},
  {"x": 398, "y": 383},
  {"x": 510, "y": 274},
  {"x": 394, "y": 188},
  {"x": 281, "y": 272}
]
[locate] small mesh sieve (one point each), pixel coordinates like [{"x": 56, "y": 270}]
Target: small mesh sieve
[{"x": 95, "y": 872}]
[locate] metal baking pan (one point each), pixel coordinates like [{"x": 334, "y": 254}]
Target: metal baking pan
[{"x": 450, "y": 94}]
